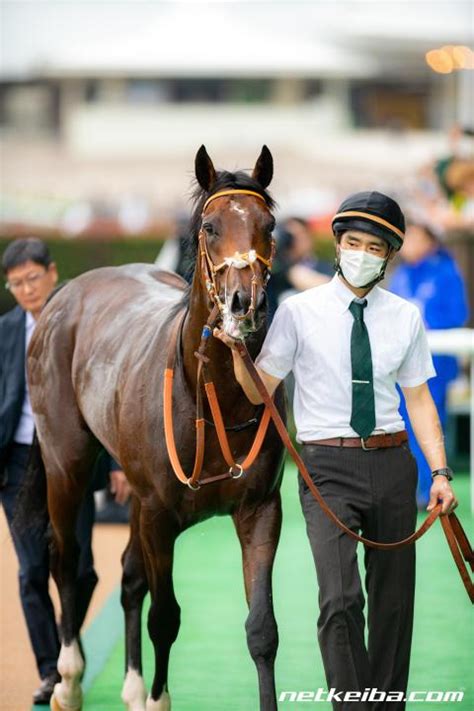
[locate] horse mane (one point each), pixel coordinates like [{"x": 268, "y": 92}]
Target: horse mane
[{"x": 224, "y": 181}]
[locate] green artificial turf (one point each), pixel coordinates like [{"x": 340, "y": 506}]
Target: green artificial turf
[{"x": 210, "y": 667}]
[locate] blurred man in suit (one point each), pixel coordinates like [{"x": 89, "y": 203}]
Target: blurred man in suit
[{"x": 31, "y": 277}]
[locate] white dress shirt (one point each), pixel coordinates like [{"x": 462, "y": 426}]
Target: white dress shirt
[
  {"x": 26, "y": 426},
  {"x": 311, "y": 335}
]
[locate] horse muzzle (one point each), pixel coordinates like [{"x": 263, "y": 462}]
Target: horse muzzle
[{"x": 244, "y": 313}]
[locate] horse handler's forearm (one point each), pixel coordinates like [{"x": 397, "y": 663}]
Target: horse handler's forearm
[
  {"x": 241, "y": 374},
  {"x": 244, "y": 380},
  {"x": 427, "y": 428}
]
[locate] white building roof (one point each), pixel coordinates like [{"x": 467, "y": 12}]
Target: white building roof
[{"x": 321, "y": 39}]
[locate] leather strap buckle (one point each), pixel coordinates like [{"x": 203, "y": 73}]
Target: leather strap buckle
[
  {"x": 193, "y": 487},
  {"x": 364, "y": 447},
  {"x": 239, "y": 473}
]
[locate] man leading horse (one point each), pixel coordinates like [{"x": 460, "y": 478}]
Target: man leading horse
[{"x": 348, "y": 344}]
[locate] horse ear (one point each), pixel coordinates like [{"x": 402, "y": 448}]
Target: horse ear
[
  {"x": 204, "y": 169},
  {"x": 263, "y": 171}
]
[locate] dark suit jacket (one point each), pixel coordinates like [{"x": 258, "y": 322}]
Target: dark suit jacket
[
  {"x": 12, "y": 374},
  {"x": 12, "y": 390}
]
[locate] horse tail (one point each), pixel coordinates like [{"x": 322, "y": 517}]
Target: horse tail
[{"x": 31, "y": 509}]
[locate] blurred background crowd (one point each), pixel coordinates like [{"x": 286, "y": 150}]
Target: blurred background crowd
[{"x": 103, "y": 106}]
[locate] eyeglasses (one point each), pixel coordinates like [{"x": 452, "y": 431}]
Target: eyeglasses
[{"x": 31, "y": 280}]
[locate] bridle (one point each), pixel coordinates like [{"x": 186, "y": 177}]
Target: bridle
[{"x": 239, "y": 260}]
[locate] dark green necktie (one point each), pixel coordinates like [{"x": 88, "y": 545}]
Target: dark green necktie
[{"x": 363, "y": 402}]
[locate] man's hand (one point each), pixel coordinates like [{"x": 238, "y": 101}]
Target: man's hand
[
  {"x": 442, "y": 492},
  {"x": 225, "y": 338},
  {"x": 240, "y": 371},
  {"x": 119, "y": 486}
]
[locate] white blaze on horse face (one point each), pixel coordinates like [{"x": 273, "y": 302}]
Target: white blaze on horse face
[
  {"x": 134, "y": 691},
  {"x": 239, "y": 210},
  {"x": 68, "y": 692},
  {"x": 163, "y": 703}
]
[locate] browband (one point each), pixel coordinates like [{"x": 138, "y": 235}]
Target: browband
[
  {"x": 235, "y": 191},
  {"x": 372, "y": 218}
]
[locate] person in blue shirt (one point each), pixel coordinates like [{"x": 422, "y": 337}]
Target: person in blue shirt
[{"x": 429, "y": 277}]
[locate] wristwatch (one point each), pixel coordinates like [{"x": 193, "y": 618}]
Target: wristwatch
[{"x": 446, "y": 471}]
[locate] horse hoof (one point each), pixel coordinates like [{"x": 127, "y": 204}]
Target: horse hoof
[
  {"x": 163, "y": 703},
  {"x": 56, "y": 706}
]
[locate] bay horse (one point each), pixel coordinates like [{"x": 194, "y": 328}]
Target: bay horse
[{"x": 96, "y": 366}]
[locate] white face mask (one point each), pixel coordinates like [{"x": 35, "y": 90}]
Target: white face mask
[{"x": 358, "y": 267}]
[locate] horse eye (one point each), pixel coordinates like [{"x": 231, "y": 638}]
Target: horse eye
[
  {"x": 271, "y": 226},
  {"x": 209, "y": 229}
]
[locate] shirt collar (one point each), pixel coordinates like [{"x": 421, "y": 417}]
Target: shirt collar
[
  {"x": 344, "y": 296},
  {"x": 30, "y": 321}
]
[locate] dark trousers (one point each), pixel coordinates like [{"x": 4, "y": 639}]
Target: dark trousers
[
  {"x": 31, "y": 546},
  {"x": 372, "y": 492}
]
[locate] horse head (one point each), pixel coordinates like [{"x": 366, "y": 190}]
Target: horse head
[{"x": 235, "y": 243}]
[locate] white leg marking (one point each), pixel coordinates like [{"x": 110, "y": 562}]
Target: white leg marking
[
  {"x": 163, "y": 703},
  {"x": 70, "y": 665},
  {"x": 134, "y": 691}
]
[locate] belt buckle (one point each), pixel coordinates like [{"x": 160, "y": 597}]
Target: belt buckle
[{"x": 364, "y": 447}]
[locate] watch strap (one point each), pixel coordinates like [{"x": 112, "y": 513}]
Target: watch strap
[{"x": 445, "y": 471}]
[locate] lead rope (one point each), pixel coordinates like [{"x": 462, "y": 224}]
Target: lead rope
[
  {"x": 235, "y": 469},
  {"x": 457, "y": 540},
  {"x": 168, "y": 415}
]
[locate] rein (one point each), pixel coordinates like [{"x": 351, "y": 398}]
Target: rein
[
  {"x": 236, "y": 469},
  {"x": 456, "y": 537}
]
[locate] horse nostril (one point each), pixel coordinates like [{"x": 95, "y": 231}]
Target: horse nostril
[
  {"x": 262, "y": 300},
  {"x": 240, "y": 303},
  {"x": 236, "y": 305}
]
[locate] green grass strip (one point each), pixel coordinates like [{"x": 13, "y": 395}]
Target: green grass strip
[{"x": 210, "y": 667}]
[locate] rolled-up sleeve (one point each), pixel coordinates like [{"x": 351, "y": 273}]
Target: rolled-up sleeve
[{"x": 279, "y": 348}]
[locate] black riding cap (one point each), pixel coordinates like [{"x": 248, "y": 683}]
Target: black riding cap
[{"x": 374, "y": 213}]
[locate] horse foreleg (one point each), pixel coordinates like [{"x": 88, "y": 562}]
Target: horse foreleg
[
  {"x": 259, "y": 531},
  {"x": 134, "y": 589},
  {"x": 67, "y": 694},
  {"x": 158, "y": 534}
]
